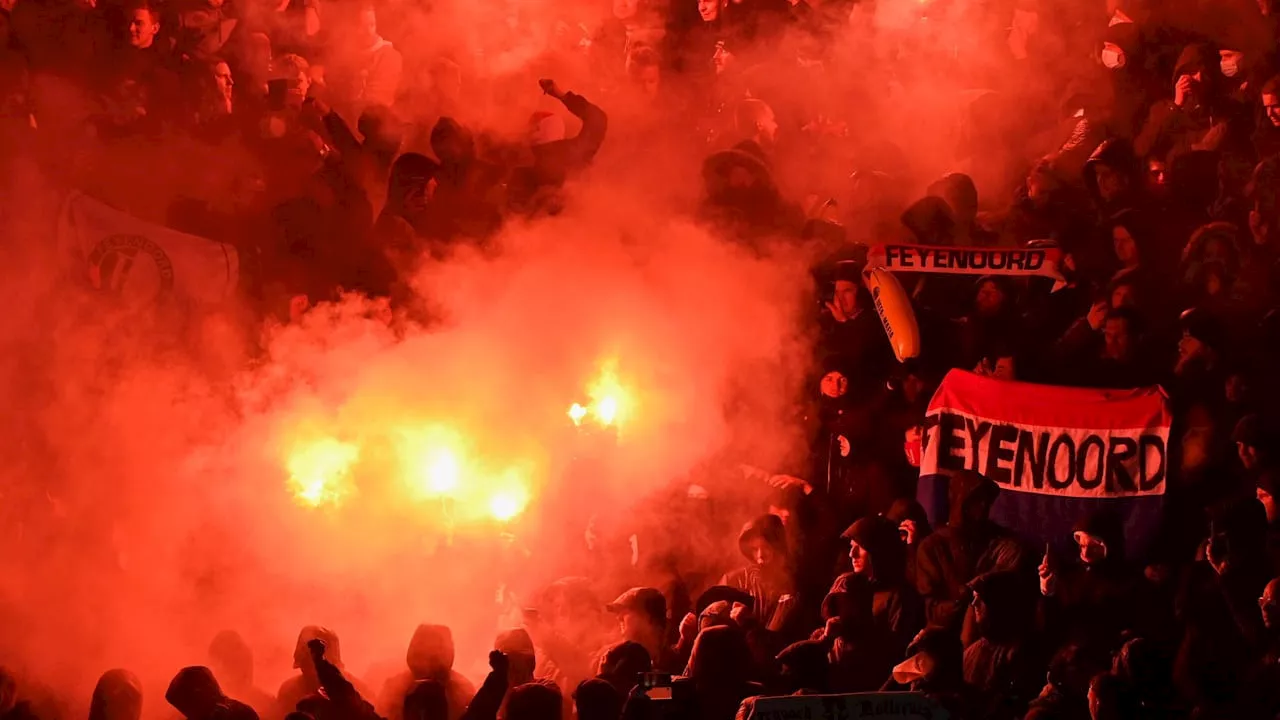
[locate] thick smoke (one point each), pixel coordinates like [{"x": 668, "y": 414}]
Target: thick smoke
[{"x": 146, "y": 494}]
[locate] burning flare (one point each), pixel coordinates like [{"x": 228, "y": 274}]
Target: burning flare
[
  {"x": 610, "y": 401},
  {"x": 320, "y": 471}
]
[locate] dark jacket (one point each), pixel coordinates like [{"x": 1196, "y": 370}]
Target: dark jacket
[
  {"x": 1097, "y": 602},
  {"x": 196, "y": 694},
  {"x": 765, "y": 587},
  {"x": 897, "y": 609},
  {"x": 952, "y": 557},
  {"x": 1005, "y": 665},
  {"x": 1171, "y": 130},
  {"x": 910, "y": 509}
]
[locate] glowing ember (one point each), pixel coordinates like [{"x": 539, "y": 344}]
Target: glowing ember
[
  {"x": 319, "y": 472},
  {"x": 577, "y": 413}
]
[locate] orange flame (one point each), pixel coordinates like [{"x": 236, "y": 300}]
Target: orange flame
[
  {"x": 610, "y": 402},
  {"x": 320, "y": 471}
]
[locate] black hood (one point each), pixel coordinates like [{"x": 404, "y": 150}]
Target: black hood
[
  {"x": 193, "y": 689},
  {"x": 117, "y": 696},
  {"x": 431, "y": 652},
  {"x": 1107, "y": 526},
  {"x": 879, "y": 536},
  {"x": 770, "y": 528},
  {"x": 1115, "y": 153},
  {"x": 1010, "y": 597},
  {"x": 911, "y": 509},
  {"x": 1197, "y": 57},
  {"x": 410, "y": 171},
  {"x": 929, "y": 220}
]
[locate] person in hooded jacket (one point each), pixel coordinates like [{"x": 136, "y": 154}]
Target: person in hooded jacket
[
  {"x": 913, "y": 525},
  {"x": 1147, "y": 665},
  {"x": 970, "y": 545},
  {"x": 12, "y": 707},
  {"x": 403, "y": 223},
  {"x": 195, "y": 693},
  {"x": 1113, "y": 177},
  {"x": 862, "y": 651},
  {"x": 768, "y": 575},
  {"x": 596, "y": 699},
  {"x": 1131, "y": 89},
  {"x": 307, "y": 681},
  {"x": 1196, "y": 118},
  {"x": 429, "y": 657},
  {"x": 1095, "y": 599},
  {"x": 117, "y": 696},
  {"x": 467, "y": 196},
  {"x": 742, "y": 199},
  {"x": 878, "y": 555},
  {"x": 1004, "y": 664},
  {"x": 992, "y": 326},
  {"x": 231, "y": 659},
  {"x": 720, "y": 672},
  {"x": 338, "y": 696},
  {"x": 1218, "y": 604}
]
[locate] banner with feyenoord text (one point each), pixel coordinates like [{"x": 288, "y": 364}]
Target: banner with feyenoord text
[
  {"x": 1040, "y": 261},
  {"x": 1056, "y": 453}
]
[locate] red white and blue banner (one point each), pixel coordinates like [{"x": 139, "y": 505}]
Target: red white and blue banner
[{"x": 1055, "y": 452}]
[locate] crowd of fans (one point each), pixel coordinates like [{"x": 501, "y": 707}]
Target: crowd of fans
[{"x": 1140, "y": 139}]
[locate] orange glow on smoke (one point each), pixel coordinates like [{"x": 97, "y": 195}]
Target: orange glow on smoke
[
  {"x": 433, "y": 461},
  {"x": 320, "y": 472},
  {"x": 610, "y": 401},
  {"x": 439, "y": 462}
]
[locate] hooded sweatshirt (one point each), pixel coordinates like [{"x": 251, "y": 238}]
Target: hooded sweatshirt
[
  {"x": 1171, "y": 130},
  {"x": 952, "y": 557},
  {"x": 1004, "y": 664},
  {"x": 117, "y": 696},
  {"x": 766, "y": 585},
  {"x": 196, "y": 694},
  {"x": 720, "y": 671},
  {"x": 897, "y": 609},
  {"x": 1100, "y": 600},
  {"x": 307, "y": 682},
  {"x": 1118, "y": 155},
  {"x": 910, "y": 509},
  {"x": 429, "y": 657}
]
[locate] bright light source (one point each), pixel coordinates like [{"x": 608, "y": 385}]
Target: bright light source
[
  {"x": 607, "y": 410},
  {"x": 443, "y": 471},
  {"x": 577, "y": 413},
  {"x": 319, "y": 471},
  {"x": 510, "y": 497}
]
